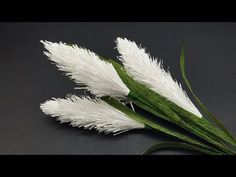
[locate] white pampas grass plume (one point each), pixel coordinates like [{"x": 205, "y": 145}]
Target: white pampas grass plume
[
  {"x": 90, "y": 113},
  {"x": 85, "y": 67},
  {"x": 150, "y": 72}
]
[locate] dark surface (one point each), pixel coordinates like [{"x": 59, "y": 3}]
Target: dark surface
[{"x": 28, "y": 79}]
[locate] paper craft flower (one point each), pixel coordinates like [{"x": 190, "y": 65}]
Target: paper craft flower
[{"x": 140, "y": 80}]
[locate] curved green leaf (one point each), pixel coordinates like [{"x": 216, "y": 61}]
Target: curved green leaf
[
  {"x": 178, "y": 145},
  {"x": 201, "y": 105}
]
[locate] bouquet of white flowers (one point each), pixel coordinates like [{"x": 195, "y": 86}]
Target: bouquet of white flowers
[{"x": 139, "y": 80}]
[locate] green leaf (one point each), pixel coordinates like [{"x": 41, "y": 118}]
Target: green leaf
[
  {"x": 178, "y": 145},
  {"x": 201, "y": 105}
]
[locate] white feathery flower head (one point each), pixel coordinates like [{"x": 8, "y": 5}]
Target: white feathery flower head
[
  {"x": 149, "y": 71},
  {"x": 85, "y": 67},
  {"x": 90, "y": 113}
]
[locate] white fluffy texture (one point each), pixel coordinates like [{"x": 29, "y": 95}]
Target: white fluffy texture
[
  {"x": 85, "y": 67},
  {"x": 150, "y": 72},
  {"x": 89, "y": 113}
]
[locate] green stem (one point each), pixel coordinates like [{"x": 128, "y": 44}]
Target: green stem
[
  {"x": 174, "y": 118},
  {"x": 205, "y": 126},
  {"x": 150, "y": 124}
]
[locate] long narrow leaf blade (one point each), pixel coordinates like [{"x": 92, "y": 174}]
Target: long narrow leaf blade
[{"x": 201, "y": 105}]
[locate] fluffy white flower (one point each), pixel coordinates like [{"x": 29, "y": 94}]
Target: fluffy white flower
[
  {"x": 90, "y": 113},
  {"x": 150, "y": 72},
  {"x": 85, "y": 67}
]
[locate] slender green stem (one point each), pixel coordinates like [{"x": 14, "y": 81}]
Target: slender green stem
[
  {"x": 174, "y": 118},
  {"x": 205, "y": 126},
  {"x": 153, "y": 125}
]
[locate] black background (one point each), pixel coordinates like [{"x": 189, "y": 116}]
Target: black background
[{"x": 28, "y": 78}]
